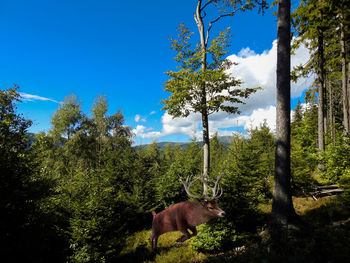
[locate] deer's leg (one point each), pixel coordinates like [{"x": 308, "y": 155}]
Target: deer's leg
[
  {"x": 153, "y": 240},
  {"x": 194, "y": 231},
  {"x": 186, "y": 235}
]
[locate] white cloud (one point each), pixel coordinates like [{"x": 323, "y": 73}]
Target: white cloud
[
  {"x": 139, "y": 119},
  {"x": 255, "y": 70},
  {"x": 30, "y": 97},
  {"x": 187, "y": 125},
  {"x": 144, "y": 132},
  {"x": 259, "y": 116},
  {"x": 246, "y": 52},
  {"x": 259, "y": 70},
  {"x": 152, "y": 112},
  {"x": 221, "y": 123}
]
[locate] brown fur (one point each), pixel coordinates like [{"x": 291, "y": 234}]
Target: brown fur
[{"x": 181, "y": 217}]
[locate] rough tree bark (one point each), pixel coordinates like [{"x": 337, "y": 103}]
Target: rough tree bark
[
  {"x": 349, "y": 91},
  {"x": 282, "y": 205},
  {"x": 344, "y": 78},
  {"x": 321, "y": 94},
  {"x": 204, "y": 112},
  {"x": 331, "y": 112}
]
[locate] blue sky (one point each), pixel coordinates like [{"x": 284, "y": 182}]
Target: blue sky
[{"x": 52, "y": 49}]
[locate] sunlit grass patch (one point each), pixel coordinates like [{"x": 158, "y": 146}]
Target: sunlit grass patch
[
  {"x": 302, "y": 205},
  {"x": 171, "y": 251},
  {"x": 182, "y": 253},
  {"x": 137, "y": 246},
  {"x": 138, "y": 239}
]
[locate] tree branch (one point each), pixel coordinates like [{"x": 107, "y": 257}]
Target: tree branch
[
  {"x": 217, "y": 19},
  {"x": 206, "y": 4}
]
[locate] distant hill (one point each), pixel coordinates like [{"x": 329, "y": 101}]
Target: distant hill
[{"x": 226, "y": 140}]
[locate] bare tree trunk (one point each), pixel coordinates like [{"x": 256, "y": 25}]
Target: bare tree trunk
[
  {"x": 206, "y": 147},
  {"x": 204, "y": 112},
  {"x": 321, "y": 146},
  {"x": 282, "y": 206},
  {"x": 349, "y": 91},
  {"x": 321, "y": 88},
  {"x": 344, "y": 79},
  {"x": 331, "y": 112}
]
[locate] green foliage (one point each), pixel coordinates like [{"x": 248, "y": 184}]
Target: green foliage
[
  {"x": 344, "y": 181},
  {"x": 250, "y": 165},
  {"x": 76, "y": 185},
  {"x": 185, "y": 96},
  {"x": 247, "y": 166},
  {"x": 95, "y": 179},
  {"x": 218, "y": 153},
  {"x": 304, "y": 155},
  {"x": 24, "y": 227},
  {"x": 336, "y": 160},
  {"x": 214, "y": 237},
  {"x": 185, "y": 163},
  {"x": 67, "y": 120}
]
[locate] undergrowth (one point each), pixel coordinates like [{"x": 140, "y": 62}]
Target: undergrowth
[{"x": 324, "y": 237}]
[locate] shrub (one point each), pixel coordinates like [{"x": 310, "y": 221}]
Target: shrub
[{"x": 214, "y": 236}]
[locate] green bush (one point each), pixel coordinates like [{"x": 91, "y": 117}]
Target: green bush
[
  {"x": 336, "y": 160},
  {"x": 214, "y": 236}
]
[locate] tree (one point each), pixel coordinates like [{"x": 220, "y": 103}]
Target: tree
[
  {"x": 321, "y": 86},
  {"x": 323, "y": 27},
  {"x": 95, "y": 180},
  {"x": 186, "y": 162},
  {"x": 343, "y": 64},
  {"x": 282, "y": 205},
  {"x": 23, "y": 225},
  {"x": 303, "y": 151},
  {"x": 201, "y": 85},
  {"x": 309, "y": 22},
  {"x": 68, "y": 118},
  {"x": 247, "y": 164}
]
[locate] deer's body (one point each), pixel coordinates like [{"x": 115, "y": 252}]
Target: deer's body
[{"x": 181, "y": 217}]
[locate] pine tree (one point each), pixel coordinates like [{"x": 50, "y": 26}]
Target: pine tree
[{"x": 282, "y": 205}]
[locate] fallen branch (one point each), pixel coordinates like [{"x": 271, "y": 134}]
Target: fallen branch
[{"x": 326, "y": 190}]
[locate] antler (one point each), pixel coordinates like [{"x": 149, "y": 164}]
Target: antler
[
  {"x": 187, "y": 185},
  {"x": 216, "y": 190}
]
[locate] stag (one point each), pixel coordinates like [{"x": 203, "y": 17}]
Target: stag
[{"x": 187, "y": 215}]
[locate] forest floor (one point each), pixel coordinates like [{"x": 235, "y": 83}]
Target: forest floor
[{"x": 324, "y": 237}]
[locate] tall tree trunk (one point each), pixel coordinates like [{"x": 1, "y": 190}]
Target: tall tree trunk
[
  {"x": 344, "y": 78},
  {"x": 206, "y": 147},
  {"x": 331, "y": 112},
  {"x": 349, "y": 91},
  {"x": 282, "y": 206},
  {"x": 321, "y": 88},
  {"x": 204, "y": 112},
  {"x": 321, "y": 146}
]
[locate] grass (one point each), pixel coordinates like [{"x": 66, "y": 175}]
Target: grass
[
  {"x": 137, "y": 246},
  {"x": 324, "y": 238}
]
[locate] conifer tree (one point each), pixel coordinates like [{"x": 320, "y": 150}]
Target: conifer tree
[
  {"x": 324, "y": 29},
  {"x": 282, "y": 206}
]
